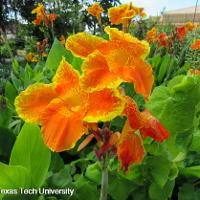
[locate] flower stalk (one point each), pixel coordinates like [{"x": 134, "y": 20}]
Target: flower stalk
[{"x": 104, "y": 178}]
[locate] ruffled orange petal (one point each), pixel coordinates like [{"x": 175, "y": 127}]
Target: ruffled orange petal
[
  {"x": 135, "y": 118},
  {"x": 118, "y": 14},
  {"x": 130, "y": 151},
  {"x": 140, "y": 48},
  {"x": 65, "y": 78},
  {"x": 61, "y": 126},
  {"x": 140, "y": 74},
  {"x": 31, "y": 102},
  {"x": 82, "y": 44},
  {"x": 96, "y": 74},
  {"x": 104, "y": 105},
  {"x": 153, "y": 128}
]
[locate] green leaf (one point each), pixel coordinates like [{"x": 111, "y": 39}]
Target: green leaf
[
  {"x": 158, "y": 193},
  {"x": 10, "y": 92},
  {"x": 191, "y": 171},
  {"x": 15, "y": 66},
  {"x": 93, "y": 173},
  {"x": 14, "y": 177},
  {"x": 119, "y": 188},
  {"x": 5, "y": 113},
  {"x": 163, "y": 68},
  {"x": 86, "y": 189},
  {"x": 170, "y": 104},
  {"x": 31, "y": 152},
  {"x": 159, "y": 169},
  {"x": 76, "y": 63},
  {"x": 55, "y": 56},
  {"x": 187, "y": 192},
  {"x": 57, "y": 162},
  {"x": 61, "y": 179},
  {"x": 7, "y": 139}
]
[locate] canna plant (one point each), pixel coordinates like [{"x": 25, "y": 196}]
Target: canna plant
[{"x": 74, "y": 103}]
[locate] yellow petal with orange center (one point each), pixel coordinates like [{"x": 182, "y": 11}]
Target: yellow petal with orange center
[
  {"x": 82, "y": 44},
  {"x": 61, "y": 126},
  {"x": 31, "y": 102},
  {"x": 65, "y": 78},
  {"x": 96, "y": 74},
  {"x": 104, "y": 106},
  {"x": 140, "y": 47}
]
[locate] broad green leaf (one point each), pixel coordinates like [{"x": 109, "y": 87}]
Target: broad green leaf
[
  {"x": 61, "y": 179},
  {"x": 119, "y": 188},
  {"x": 163, "y": 68},
  {"x": 14, "y": 177},
  {"x": 93, "y": 173},
  {"x": 10, "y": 92},
  {"x": 86, "y": 189},
  {"x": 55, "y": 55},
  {"x": 5, "y": 113},
  {"x": 30, "y": 152},
  {"x": 57, "y": 162},
  {"x": 15, "y": 66},
  {"x": 76, "y": 63},
  {"x": 159, "y": 168},
  {"x": 187, "y": 192},
  {"x": 170, "y": 105},
  {"x": 158, "y": 193},
  {"x": 7, "y": 139},
  {"x": 191, "y": 171}
]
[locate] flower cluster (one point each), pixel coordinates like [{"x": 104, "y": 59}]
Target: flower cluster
[
  {"x": 164, "y": 40},
  {"x": 73, "y": 103},
  {"x": 195, "y": 45},
  {"x": 42, "y": 16}
]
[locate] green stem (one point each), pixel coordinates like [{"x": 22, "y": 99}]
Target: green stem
[{"x": 104, "y": 178}]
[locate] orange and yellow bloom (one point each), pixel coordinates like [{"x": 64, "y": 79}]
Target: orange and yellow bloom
[
  {"x": 195, "y": 45},
  {"x": 64, "y": 109},
  {"x": 109, "y": 63},
  {"x": 152, "y": 35},
  {"x": 95, "y": 10}
]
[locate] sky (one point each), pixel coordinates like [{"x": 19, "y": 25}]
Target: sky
[{"x": 154, "y": 7}]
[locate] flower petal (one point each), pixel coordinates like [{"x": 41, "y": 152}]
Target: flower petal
[
  {"x": 134, "y": 116},
  {"x": 154, "y": 128},
  {"x": 104, "y": 105},
  {"x": 140, "y": 74},
  {"x": 65, "y": 78},
  {"x": 82, "y": 44},
  {"x": 61, "y": 127},
  {"x": 140, "y": 47},
  {"x": 31, "y": 102},
  {"x": 96, "y": 74},
  {"x": 130, "y": 151}
]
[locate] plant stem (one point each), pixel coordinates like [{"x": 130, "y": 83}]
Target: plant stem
[{"x": 104, "y": 178}]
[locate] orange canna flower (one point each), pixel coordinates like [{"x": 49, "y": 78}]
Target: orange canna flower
[
  {"x": 190, "y": 26},
  {"x": 195, "y": 45},
  {"x": 64, "y": 109},
  {"x": 130, "y": 148},
  {"x": 142, "y": 13},
  {"x": 95, "y": 10},
  {"x": 152, "y": 35},
  {"x": 122, "y": 14},
  {"x": 51, "y": 17},
  {"x": 31, "y": 57},
  {"x": 181, "y": 33},
  {"x": 109, "y": 63},
  {"x": 39, "y": 10},
  {"x": 163, "y": 40}
]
